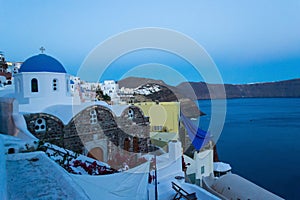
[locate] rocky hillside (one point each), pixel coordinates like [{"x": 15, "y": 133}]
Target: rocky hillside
[
  {"x": 188, "y": 91},
  {"x": 288, "y": 88},
  {"x": 134, "y": 82},
  {"x": 156, "y": 92},
  {"x": 199, "y": 90},
  {"x": 165, "y": 93}
]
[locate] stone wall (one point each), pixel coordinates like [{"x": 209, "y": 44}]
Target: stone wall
[
  {"x": 7, "y": 125},
  {"x": 137, "y": 126},
  {"x": 94, "y": 123},
  {"x": 54, "y": 128}
]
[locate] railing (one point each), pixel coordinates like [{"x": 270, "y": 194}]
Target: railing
[{"x": 182, "y": 193}]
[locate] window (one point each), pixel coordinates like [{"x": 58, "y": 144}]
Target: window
[
  {"x": 202, "y": 170},
  {"x": 11, "y": 151},
  {"x": 40, "y": 125},
  {"x": 55, "y": 84},
  {"x": 68, "y": 85},
  {"x": 157, "y": 128},
  {"x": 130, "y": 114},
  {"x": 34, "y": 85},
  {"x": 93, "y": 117},
  {"x": 15, "y": 70}
]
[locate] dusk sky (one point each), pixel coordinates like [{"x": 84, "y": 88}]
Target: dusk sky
[{"x": 249, "y": 41}]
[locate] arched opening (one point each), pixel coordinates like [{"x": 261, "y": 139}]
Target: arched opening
[
  {"x": 130, "y": 113},
  {"x": 127, "y": 144},
  {"x": 136, "y": 147},
  {"x": 40, "y": 125},
  {"x": 93, "y": 116},
  {"x": 11, "y": 151},
  {"x": 34, "y": 85},
  {"x": 96, "y": 153}
]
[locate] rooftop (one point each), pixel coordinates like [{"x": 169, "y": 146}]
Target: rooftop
[
  {"x": 35, "y": 169},
  {"x": 42, "y": 63}
]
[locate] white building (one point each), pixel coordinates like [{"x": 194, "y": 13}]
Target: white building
[
  {"x": 74, "y": 83},
  {"x": 89, "y": 86},
  {"x": 40, "y": 81},
  {"x": 75, "y": 79},
  {"x": 13, "y": 67},
  {"x": 111, "y": 88},
  {"x": 201, "y": 166}
]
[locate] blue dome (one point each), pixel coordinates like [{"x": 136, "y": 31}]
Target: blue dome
[{"x": 42, "y": 63}]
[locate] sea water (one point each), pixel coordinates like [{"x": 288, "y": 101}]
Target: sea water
[{"x": 261, "y": 141}]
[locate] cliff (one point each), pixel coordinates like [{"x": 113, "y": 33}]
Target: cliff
[
  {"x": 282, "y": 89},
  {"x": 188, "y": 91}
]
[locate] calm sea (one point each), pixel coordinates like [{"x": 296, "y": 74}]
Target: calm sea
[{"x": 261, "y": 141}]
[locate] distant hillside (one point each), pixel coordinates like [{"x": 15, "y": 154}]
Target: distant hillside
[
  {"x": 199, "y": 90},
  {"x": 134, "y": 82},
  {"x": 288, "y": 88},
  {"x": 166, "y": 93},
  {"x": 188, "y": 91},
  {"x": 157, "y": 92}
]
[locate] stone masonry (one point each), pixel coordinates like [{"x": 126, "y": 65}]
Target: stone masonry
[{"x": 95, "y": 123}]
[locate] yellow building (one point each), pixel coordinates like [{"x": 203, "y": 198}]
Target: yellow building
[{"x": 164, "y": 116}]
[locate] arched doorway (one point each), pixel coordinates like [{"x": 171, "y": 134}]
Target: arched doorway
[{"x": 96, "y": 153}]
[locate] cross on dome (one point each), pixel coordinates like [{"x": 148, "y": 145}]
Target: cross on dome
[{"x": 42, "y": 49}]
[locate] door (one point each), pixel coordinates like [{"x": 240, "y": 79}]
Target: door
[{"x": 96, "y": 153}]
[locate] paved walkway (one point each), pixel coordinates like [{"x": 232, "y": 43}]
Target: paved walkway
[{"x": 35, "y": 176}]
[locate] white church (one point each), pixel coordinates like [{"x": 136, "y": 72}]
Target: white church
[{"x": 42, "y": 81}]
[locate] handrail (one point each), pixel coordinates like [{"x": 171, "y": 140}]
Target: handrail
[{"x": 182, "y": 193}]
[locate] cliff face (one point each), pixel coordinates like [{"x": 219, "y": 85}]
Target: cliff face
[
  {"x": 289, "y": 88},
  {"x": 199, "y": 90},
  {"x": 134, "y": 82}
]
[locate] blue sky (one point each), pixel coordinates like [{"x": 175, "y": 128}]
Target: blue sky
[{"x": 250, "y": 41}]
